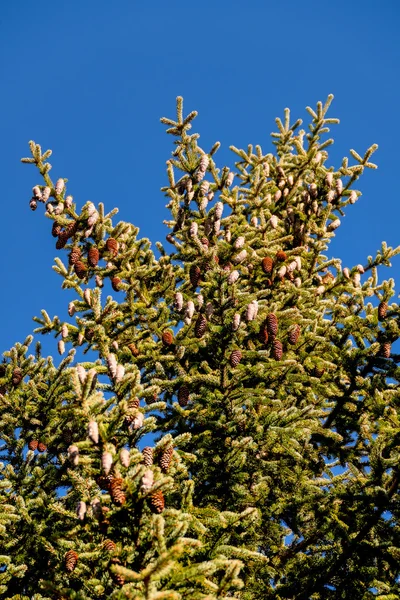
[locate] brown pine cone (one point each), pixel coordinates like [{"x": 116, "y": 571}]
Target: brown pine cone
[
  {"x": 147, "y": 454},
  {"x": 67, "y": 436},
  {"x": 194, "y": 274},
  {"x": 235, "y": 358},
  {"x": 157, "y": 502},
  {"x": 112, "y": 246},
  {"x": 32, "y": 445},
  {"x": 201, "y": 326},
  {"x": 17, "y": 376},
  {"x": 80, "y": 269},
  {"x": 267, "y": 265},
  {"x": 133, "y": 404},
  {"x": 89, "y": 334},
  {"x": 272, "y": 325},
  {"x": 385, "y": 349},
  {"x": 205, "y": 241},
  {"x": 133, "y": 349},
  {"x": 71, "y": 559},
  {"x": 318, "y": 372},
  {"x": 294, "y": 334},
  {"x": 56, "y": 229},
  {"x": 41, "y": 447},
  {"x": 277, "y": 350},
  {"x": 281, "y": 256},
  {"x": 167, "y": 338},
  {"x": 109, "y": 545},
  {"x": 74, "y": 255},
  {"x": 71, "y": 229},
  {"x": 104, "y": 481},
  {"x": 93, "y": 256},
  {"x": 116, "y": 491},
  {"x": 382, "y": 310},
  {"x": 116, "y": 283},
  {"x": 165, "y": 459},
  {"x": 263, "y": 335},
  {"x": 183, "y": 395},
  {"x": 62, "y": 240}
]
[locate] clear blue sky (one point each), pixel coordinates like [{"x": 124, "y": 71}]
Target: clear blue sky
[{"x": 90, "y": 79}]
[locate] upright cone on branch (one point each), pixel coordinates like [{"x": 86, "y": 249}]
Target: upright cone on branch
[
  {"x": 157, "y": 502},
  {"x": 112, "y": 246},
  {"x": 194, "y": 275},
  {"x": 277, "y": 350},
  {"x": 201, "y": 326},
  {"x": 70, "y": 560},
  {"x": 74, "y": 255},
  {"x": 382, "y": 310},
  {"x": 235, "y": 358},
  {"x": 183, "y": 395},
  {"x": 165, "y": 458},
  {"x": 116, "y": 491},
  {"x": 385, "y": 349},
  {"x": 80, "y": 269},
  {"x": 267, "y": 265},
  {"x": 147, "y": 454},
  {"x": 272, "y": 324},
  {"x": 294, "y": 334},
  {"x": 167, "y": 338},
  {"x": 93, "y": 256}
]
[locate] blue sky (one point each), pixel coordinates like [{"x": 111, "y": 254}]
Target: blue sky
[{"x": 91, "y": 80}]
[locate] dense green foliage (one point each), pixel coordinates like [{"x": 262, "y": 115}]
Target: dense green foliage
[{"x": 263, "y": 370}]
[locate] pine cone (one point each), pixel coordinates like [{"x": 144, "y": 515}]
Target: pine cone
[
  {"x": 147, "y": 454},
  {"x": 201, "y": 326},
  {"x": 62, "y": 240},
  {"x": 267, "y": 265},
  {"x": 67, "y": 436},
  {"x": 263, "y": 335},
  {"x": 235, "y": 358},
  {"x": 133, "y": 349},
  {"x": 41, "y": 447},
  {"x": 109, "y": 545},
  {"x": 294, "y": 334},
  {"x": 56, "y": 229},
  {"x": 157, "y": 502},
  {"x": 93, "y": 256},
  {"x": 32, "y": 445},
  {"x": 104, "y": 481},
  {"x": 318, "y": 372},
  {"x": 167, "y": 338},
  {"x": 80, "y": 269},
  {"x": 116, "y": 283},
  {"x": 74, "y": 255},
  {"x": 165, "y": 459},
  {"x": 194, "y": 274},
  {"x": 277, "y": 350},
  {"x": 17, "y": 376},
  {"x": 71, "y": 229},
  {"x": 133, "y": 404},
  {"x": 385, "y": 349},
  {"x": 116, "y": 491},
  {"x": 272, "y": 325},
  {"x": 183, "y": 395},
  {"x": 281, "y": 256},
  {"x": 71, "y": 559},
  {"x": 112, "y": 246},
  {"x": 382, "y": 310}
]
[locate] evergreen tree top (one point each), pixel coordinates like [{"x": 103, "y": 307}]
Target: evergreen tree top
[{"x": 263, "y": 369}]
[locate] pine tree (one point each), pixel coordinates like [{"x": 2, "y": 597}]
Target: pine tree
[{"x": 265, "y": 371}]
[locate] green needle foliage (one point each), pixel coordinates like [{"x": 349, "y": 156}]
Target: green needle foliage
[{"x": 264, "y": 372}]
